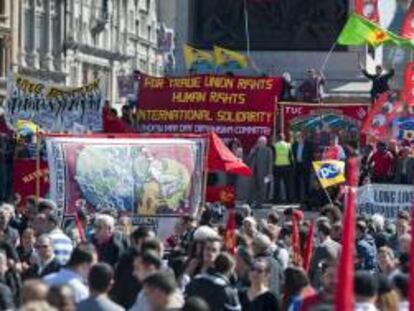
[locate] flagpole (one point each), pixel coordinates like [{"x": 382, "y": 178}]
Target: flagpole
[
  {"x": 325, "y": 62},
  {"x": 246, "y": 25}
]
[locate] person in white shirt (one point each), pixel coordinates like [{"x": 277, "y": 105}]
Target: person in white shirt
[
  {"x": 76, "y": 272},
  {"x": 366, "y": 291},
  {"x": 62, "y": 244}
]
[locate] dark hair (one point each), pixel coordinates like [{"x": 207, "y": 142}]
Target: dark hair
[
  {"x": 53, "y": 219},
  {"x": 100, "y": 277},
  {"x": 83, "y": 253},
  {"x": 401, "y": 283},
  {"x": 404, "y": 215},
  {"x": 162, "y": 281},
  {"x": 297, "y": 281},
  {"x": 224, "y": 263},
  {"x": 59, "y": 294},
  {"x": 153, "y": 244},
  {"x": 178, "y": 265},
  {"x": 149, "y": 257},
  {"x": 273, "y": 218},
  {"x": 141, "y": 233},
  {"x": 365, "y": 284},
  {"x": 195, "y": 304},
  {"x": 332, "y": 210}
]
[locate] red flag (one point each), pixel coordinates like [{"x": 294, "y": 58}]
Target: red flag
[
  {"x": 407, "y": 28},
  {"x": 79, "y": 227},
  {"x": 228, "y": 199},
  {"x": 307, "y": 255},
  {"x": 230, "y": 234},
  {"x": 344, "y": 296},
  {"x": 220, "y": 158},
  {"x": 408, "y": 93},
  {"x": 296, "y": 253},
  {"x": 383, "y": 112},
  {"x": 368, "y": 9}
]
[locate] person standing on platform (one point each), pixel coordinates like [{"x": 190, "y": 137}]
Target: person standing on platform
[
  {"x": 302, "y": 152},
  {"x": 283, "y": 169},
  {"x": 379, "y": 80},
  {"x": 334, "y": 151},
  {"x": 260, "y": 161}
]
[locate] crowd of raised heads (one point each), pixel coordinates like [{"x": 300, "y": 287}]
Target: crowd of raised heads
[{"x": 107, "y": 263}]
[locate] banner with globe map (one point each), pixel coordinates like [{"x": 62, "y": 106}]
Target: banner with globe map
[{"x": 138, "y": 176}]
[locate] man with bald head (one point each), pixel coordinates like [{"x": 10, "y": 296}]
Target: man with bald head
[{"x": 260, "y": 161}]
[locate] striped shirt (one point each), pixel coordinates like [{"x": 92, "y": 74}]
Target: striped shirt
[{"x": 62, "y": 245}]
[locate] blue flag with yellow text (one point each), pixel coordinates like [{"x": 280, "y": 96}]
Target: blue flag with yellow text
[{"x": 330, "y": 172}]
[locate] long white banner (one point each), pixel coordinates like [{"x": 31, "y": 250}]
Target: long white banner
[{"x": 384, "y": 199}]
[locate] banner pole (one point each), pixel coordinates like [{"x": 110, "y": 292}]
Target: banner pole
[
  {"x": 246, "y": 25},
  {"x": 206, "y": 171},
  {"x": 37, "y": 166}
]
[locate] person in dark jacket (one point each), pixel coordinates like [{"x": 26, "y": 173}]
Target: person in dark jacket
[
  {"x": 365, "y": 248},
  {"x": 262, "y": 248},
  {"x": 302, "y": 150},
  {"x": 126, "y": 286},
  {"x": 109, "y": 244},
  {"x": 215, "y": 287},
  {"x": 9, "y": 279},
  {"x": 46, "y": 262},
  {"x": 379, "y": 80}
]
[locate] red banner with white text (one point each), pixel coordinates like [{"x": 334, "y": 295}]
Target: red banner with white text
[
  {"x": 24, "y": 179},
  {"x": 319, "y": 121},
  {"x": 233, "y": 107}
]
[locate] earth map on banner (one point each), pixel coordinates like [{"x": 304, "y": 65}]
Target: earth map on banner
[{"x": 149, "y": 185}]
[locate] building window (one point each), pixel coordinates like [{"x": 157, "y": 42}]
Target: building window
[
  {"x": 149, "y": 33},
  {"x": 2, "y": 57},
  {"x": 148, "y": 4},
  {"x": 2, "y": 7},
  {"x": 137, "y": 28}
]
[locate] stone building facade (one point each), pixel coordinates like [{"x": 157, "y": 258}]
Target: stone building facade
[{"x": 72, "y": 42}]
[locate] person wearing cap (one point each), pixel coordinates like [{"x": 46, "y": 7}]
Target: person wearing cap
[{"x": 62, "y": 244}]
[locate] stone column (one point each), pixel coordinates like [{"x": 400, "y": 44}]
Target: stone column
[
  {"x": 35, "y": 37},
  {"x": 24, "y": 14},
  {"x": 48, "y": 58}
]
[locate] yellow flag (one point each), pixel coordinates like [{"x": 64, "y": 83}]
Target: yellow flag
[
  {"x": 330, "y": 172},
  {"x": 226, "y": 57},
  {"x": 193, "y": 56}
]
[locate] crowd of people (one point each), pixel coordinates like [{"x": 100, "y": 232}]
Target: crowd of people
[
  {"x": 283, "y": 171},
  {"x": 105, "y": 263}
]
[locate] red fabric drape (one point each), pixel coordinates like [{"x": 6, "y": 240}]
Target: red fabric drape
[
  {"x": 344, "y": 297},
  {"x": 307, "y": 254},
  {"x": 407, "y": 28},
  {"x": 368, "y": 9}
]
